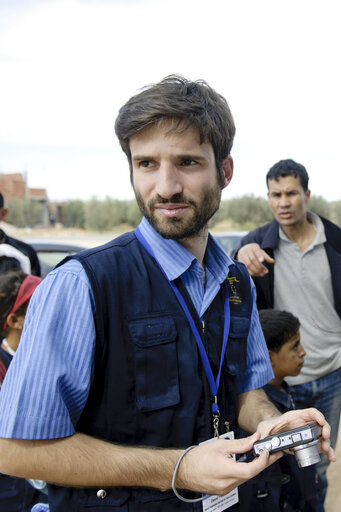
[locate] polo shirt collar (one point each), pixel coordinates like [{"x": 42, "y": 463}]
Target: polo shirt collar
[{"x": 320, "y": 237}]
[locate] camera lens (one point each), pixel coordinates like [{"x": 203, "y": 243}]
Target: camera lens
[{"x": 307, "y": 454}]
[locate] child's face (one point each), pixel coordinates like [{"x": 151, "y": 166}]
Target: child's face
[{"x": 289, "y": 360}]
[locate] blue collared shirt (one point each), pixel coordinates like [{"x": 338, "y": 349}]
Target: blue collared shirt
[{"x": 48, "y": 382}]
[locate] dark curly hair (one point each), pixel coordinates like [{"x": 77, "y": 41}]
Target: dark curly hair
[{"x": 9, "y": 287}]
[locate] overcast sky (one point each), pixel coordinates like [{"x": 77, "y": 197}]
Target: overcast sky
[{"x": 66, "y": 67}]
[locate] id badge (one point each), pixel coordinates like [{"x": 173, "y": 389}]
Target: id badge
[{"x": 216, "y": 503}]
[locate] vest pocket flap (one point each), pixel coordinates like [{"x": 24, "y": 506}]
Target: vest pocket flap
[
  {"x": 156, "y": 364},
  {"x": 152, "y": 331},
  {"x": 239, "y": 326}
]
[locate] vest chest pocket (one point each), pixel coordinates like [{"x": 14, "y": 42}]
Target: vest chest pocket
[
  {"x": 155, "y": 357},
  {"x": 237, "y": 346}
]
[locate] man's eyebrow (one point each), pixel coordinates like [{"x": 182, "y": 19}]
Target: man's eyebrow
[
  {"x": 191, "y": 156},
  {"x": 184, "y": 156},
  {"x": 141, "y": 157}
]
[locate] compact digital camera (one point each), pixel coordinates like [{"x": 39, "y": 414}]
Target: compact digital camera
[{"x": 302, "y": 441}]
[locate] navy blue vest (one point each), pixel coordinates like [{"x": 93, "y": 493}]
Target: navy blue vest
[{"x": 149, "y": 386}]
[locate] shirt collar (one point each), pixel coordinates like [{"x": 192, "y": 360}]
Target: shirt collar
[
  {"x": 175, "y": 259},
  {"x": 320, "y": 237}
]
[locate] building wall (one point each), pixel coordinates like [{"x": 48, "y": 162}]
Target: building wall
[{"x": 13, "y": 186}]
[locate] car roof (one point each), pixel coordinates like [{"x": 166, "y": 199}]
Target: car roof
[{"x": 54, "y": 246}]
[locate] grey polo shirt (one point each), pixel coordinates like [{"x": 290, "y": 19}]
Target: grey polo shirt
[{"x": 303, "y": 286}]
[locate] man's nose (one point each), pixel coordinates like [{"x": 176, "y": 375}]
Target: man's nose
[
  {"x": 283, "y": 201},
  {"x": 168, "y": 181}
]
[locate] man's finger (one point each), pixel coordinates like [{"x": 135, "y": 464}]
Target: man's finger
[{"x": 258, "y": 464}]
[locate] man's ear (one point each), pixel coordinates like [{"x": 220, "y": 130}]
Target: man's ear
[
  {"x": 227, "y": 169},
  {"x": 273, "y": 358},
  {"x": 3, "y": 213}
]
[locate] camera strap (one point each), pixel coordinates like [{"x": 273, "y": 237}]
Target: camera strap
[{"x": 213, "y": 382}]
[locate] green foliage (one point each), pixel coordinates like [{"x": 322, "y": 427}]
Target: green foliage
[
  {"x": 247, "y": 212},
  {"x": 335, "y": 212},
  {"x": 243, "y": 213},
  {"x": 319, "y": 206},
  {"x": 72, "y": 214},
  {"x": 24, "y": 212},
  {"x": 105, "y": 215},
  {"x": 132, "y": 214}
]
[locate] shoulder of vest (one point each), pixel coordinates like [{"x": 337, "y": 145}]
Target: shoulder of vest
[
  {"x": 122, "y": 241},
  {"x": 239, "y": 285}
]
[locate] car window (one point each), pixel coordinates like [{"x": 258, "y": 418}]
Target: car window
[
  {"x": 49, "y": 259},
  {"x": 229, "y": 241}
]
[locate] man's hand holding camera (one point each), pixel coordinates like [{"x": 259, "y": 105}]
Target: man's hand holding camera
[
  {"x": 211, "y": 469},
  {"x": 297, "y": 418}
]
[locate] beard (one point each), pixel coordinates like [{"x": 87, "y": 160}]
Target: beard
[{"x": 189, "y": 225}]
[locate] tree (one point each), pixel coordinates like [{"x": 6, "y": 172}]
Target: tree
[
  {"x": 247, "y": 211},
  {"x": 73, "y": 215},
  {"x": 24, "y": 212},
  {"x": 319, "y": 206},
  {"x": 335, "y": 212}
]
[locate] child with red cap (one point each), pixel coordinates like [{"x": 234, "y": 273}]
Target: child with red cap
[{"x": 16, "y": 289}]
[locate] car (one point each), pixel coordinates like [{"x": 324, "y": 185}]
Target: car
[
  {"x": 51, "y": 253},
  {"x": 230, "y": 239}
]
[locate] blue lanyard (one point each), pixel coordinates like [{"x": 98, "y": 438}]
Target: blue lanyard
[{"x": 213, "y": 383}]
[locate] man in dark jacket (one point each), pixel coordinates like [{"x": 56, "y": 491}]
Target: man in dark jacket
[
  {"x": 17, "y": 253},
  {"x": 295, "y": 262}
]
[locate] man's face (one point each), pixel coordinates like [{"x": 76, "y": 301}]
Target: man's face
[
  {"x": 176, "y": 180},
  {"x": 288, "y": 200},
  {"x": 290, "y": 359}
]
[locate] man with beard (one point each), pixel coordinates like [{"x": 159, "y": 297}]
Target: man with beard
[{"x": 150, "y": 344}]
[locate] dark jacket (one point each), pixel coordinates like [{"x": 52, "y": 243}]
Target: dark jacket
[
  {"x": 267, "y": 237},
  {"x": 149, "y": 387},
  {"x": 26, "y": 249}
]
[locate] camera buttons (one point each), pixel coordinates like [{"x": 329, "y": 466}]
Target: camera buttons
[
  {"x": 275, "y": 442},
  {"x": 296, "y": 438}
]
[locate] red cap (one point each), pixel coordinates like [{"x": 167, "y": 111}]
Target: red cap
[{"x": 25, "y": 292}]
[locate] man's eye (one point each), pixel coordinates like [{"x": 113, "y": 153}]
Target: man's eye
[
  {"x": 144, "y": 163},
  {"x": 188, "y": 162}
]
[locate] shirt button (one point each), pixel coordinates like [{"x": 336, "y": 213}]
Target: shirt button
[{"x": 101, "y": 494}]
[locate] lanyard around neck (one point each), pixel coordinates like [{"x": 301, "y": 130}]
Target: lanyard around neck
[{"x": 213, "y": 383}]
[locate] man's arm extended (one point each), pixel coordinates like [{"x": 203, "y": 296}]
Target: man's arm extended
[
  {"x": 84, "y": 461},
  {"x": 81, "y": 460}
]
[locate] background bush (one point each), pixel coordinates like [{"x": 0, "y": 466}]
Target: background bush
[{"x": 243, "y": 213}]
